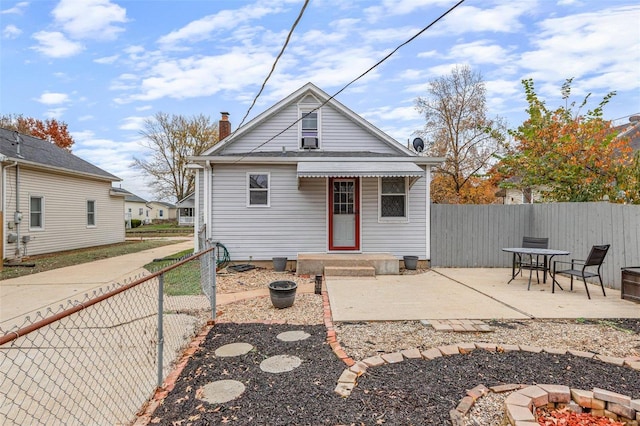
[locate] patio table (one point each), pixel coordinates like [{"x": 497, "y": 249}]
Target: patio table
[{"x": 547, "y": 254}]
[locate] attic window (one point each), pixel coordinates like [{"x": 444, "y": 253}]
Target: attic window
[{"x": 309, "y": 129}]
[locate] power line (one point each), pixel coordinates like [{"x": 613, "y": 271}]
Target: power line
[
  {"x": 357, "y": 78},
  {"x": 273, "y": 67}
]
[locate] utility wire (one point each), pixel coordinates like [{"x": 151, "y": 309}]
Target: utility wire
[
  {"x": 273, "y": 67},
  {"x": 355, "y": 79}
]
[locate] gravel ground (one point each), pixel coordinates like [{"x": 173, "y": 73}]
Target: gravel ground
[{"x": 411, "y": 392}]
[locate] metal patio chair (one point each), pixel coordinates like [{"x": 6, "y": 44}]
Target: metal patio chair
[
  {"x": 578, "y": 268},
  {"x": 529, "y": 261}
]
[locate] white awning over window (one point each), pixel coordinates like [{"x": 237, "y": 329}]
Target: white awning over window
[{"x": 358, "y": 169}]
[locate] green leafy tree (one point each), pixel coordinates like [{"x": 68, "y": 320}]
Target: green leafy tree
[
  {"x": 571, "y": 156},
  {"x": 171, "y": 140},
  {"x": 458, "y": 129}
]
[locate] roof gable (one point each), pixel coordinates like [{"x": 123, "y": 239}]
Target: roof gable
[
  {"x": 29, "y": 150},
  {"x": 308, "y": 95}
]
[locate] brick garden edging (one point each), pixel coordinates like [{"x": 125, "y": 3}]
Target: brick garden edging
[{"x": 520, "y": 406}]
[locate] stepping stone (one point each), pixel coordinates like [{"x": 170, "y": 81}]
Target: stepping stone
[
  {"x": 233, "y": 349},
  {"x": 221, "y": 391},
  {"x": 293, "y": 336},
  {"x": 280, "y": 364}
]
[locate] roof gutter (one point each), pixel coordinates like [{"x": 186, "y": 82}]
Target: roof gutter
[{"x": 226, "y": 159}]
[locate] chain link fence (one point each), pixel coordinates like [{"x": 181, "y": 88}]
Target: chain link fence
[{"x": 98, "y": 360}]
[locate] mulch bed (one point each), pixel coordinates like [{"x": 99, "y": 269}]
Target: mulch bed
[{"x": 412, "y": 392}]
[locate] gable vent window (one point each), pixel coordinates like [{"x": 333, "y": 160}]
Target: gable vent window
[{"x": 309, "y": 133}]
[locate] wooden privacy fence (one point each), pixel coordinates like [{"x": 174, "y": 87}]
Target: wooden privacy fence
[{"x": 472, "y": 236}]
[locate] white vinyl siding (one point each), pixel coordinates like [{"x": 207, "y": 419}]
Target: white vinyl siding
[
  {"x": 91, "y": 213},
  {"x": 405, "y": 238},
  {"x": 295, "y": 222},
  {"x": 65, "y": 208},
  {"x": 338, "y": 133}
]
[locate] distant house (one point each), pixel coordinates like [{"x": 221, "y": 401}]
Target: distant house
[
  {"x": 161, "y": 210},
  {"x": 135, "y": 207},
  {"x": 52, "y": 200},
  {"x": 186, "y": 210},
  {"x": 309, "y": 175}
]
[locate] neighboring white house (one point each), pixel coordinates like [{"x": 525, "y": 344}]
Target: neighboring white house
[
  {"x": 52, "y": 200},
  {"x": 160, "y": 210},
  {"x": 186, "y": 210},
  {"x": 309, "y": 175},
  {"x": 134, "y": 207}
]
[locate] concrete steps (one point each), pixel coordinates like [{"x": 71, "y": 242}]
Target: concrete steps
[
  {"x": 316, "y": 263},
  {"x": 349, "y": 271}
]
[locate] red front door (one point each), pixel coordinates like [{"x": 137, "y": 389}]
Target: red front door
[{"x": 344, "y": 214}]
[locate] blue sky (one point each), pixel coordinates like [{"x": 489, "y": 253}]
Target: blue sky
[{"x": 103, "y": 66}]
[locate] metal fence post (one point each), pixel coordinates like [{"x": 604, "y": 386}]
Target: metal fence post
[
  {"x": 160, "y": 329},
  {"x": 214, "y": 266}
]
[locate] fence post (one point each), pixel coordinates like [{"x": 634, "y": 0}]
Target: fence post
[
  {"x": 214, "y": 266},
  {"x": 160, "y": 328}
]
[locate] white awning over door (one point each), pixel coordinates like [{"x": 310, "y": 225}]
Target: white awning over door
[{"x": 319, "y": 169}]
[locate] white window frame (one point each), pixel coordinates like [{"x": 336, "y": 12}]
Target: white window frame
[
  {"x": 302, "y": 110},
  {"x": 267, "y": 189},
  {"x": 393, "y": 219},
  {"x": 95, "y": 214},
  {"x": 42, "y": 211},
  {"x": 161, "y": 213}
]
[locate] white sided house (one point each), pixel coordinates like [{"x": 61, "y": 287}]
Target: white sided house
[
  {"x": 52, "y": 200},
  {"x": 309, "y": 176}
]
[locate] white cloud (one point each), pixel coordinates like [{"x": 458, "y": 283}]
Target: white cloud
[
  {"x": 144, "y": 108},
  {"x": 90, "y": 19},
  {"x": 107, "y": 59},
  {"x": 51, "y": 98},
  {"x": 428, "y": 54},
  {"x": 503, "y": 18},
  {"x": 401, "y": 7},
  {"x": 11, "y": 32},
  {"x": 204, "y": 28},
  {"x": 133, "y": 123},
  {"x": 56, "y": 45},
  {"x": 481, "y": 52},
  {"x": 55, "y": 113},
  {"x": 15, "y": 10},
  {"x": 577, "y": 46},
  {"x": 86, "y": 118}
]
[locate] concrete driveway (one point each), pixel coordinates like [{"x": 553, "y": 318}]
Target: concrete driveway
[
  {"x": 468, "y": 293},
  {"x": 30, "y": 293}
]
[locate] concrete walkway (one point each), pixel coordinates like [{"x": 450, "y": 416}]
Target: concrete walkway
[
  {"x": 468, "y": 293},
  {"x": 30, "y": 293}
]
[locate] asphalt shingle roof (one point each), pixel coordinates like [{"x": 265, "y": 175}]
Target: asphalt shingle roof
[{"x": 45, "y": 153}]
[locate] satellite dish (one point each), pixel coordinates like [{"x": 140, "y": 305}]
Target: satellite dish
[{"x": 418, "y": 145}]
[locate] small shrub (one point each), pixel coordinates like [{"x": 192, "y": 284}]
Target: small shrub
[{"x": 135, "y": 223}]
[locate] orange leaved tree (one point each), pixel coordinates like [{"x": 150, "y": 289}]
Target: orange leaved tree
[
  {"x": 49, "y": 129},
  {"x": 570, "y": 156}
]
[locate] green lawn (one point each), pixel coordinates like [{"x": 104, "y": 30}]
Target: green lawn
[
  {"x": 184, "y": 280},
  {"x": 74, "y": 257},
  {"x": 160, "y": 229}
]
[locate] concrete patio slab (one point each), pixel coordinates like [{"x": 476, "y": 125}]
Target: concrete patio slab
[
  {"x": 468, "y": 293},
  {"x": 539, "y": 302},
  {"x": 411, "y": 297}
]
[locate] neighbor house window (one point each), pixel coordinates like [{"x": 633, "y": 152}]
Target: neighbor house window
[
  {"x": 258, "y": 189},
  {"x": 161, "y": 213},
  {"x": 393, "y": 198},
  {"x": 91, "y": 213},
  {"x": 140, "y": 211},
  {"x": 36, "y": 212}
]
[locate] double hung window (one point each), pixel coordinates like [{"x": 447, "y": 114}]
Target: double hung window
[
  {"x": 91, "y": 213},
  {"x": 36, "y": 212},
  {"x": 258, "y": 189},
  {"x": 393, "y": 198}
]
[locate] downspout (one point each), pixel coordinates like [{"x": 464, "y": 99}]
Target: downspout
[
  {"x": 207, "y": 199},
  {"x": 4, "y": 201},
  {"x": 17, "y": 216},
  {"x": 428, "y": 210}
]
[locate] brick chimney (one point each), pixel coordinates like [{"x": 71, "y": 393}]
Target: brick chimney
[{"x": 224, "y": 126}]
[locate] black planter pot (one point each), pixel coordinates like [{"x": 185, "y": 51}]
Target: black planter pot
[
  {"x": 279, "y": 264},
  {"x": 411, "y": 262},
  {"x": 282, "y": 293}
]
